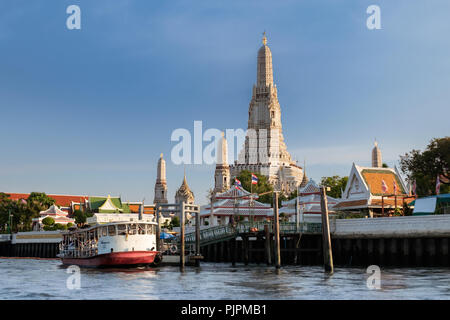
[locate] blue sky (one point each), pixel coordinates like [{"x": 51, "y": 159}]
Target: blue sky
[{"x": 89, "y": 111}]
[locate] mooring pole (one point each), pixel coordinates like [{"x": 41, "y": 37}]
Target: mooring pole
[
  {"x": 234, "y": 252},
  {"x": 277, "y": 230},
  {"x": 182, "y": 229},
  {"x": 158, "y": 229},
  {"x": 267, "y": 243},
  {"x": 326, "y": 238},
  {"x": 197, "y": 238},
  {"x": 245, "y": 243}
]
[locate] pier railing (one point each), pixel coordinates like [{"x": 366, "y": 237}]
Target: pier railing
[{"x": 228, "y": 232}]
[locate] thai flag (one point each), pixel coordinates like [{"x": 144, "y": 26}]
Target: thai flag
[
  {"x": 384, "y": 186},
  {"x": 254, "y": 179},
  {"x": 395, "y": 187},
  {"x": 237, "y": 184},
  {"x": 438, "y": 184}
]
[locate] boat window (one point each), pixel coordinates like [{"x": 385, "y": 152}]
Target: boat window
[
  {"x": 104, "y": 231},
  {"x": 149, "y": 229},
  {"x": 111, "y": 230},
  {"x": 142, "y": 229},
  {"x": 132, "y": 228},
  {"x": 122, "y": 229}
]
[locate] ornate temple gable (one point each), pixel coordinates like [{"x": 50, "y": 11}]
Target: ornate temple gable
[
  {"x": 108, "y": 205},
  {"x": 356, "y": 187}
]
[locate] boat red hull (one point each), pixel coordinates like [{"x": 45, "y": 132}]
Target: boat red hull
[{"x": 116, "y": 259}]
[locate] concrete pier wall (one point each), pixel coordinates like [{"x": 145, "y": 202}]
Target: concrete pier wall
[
  {"x": 31, "y": 244},
  {"x": 392, "y": 227}
]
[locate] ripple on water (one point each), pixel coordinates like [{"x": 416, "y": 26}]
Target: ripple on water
[{"x": 46, "y": 279}]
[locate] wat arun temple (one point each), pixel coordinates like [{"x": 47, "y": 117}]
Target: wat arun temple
[{"x": 265, "y": 151}]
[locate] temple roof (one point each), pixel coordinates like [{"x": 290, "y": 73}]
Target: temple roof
[
  {"x": 53, "y": 211},
  {"x": 233, "y": 192},
  {"x": 373, "y": 177},
  {"x": 60, "y": 200},
  {"x": 184, "y": 189},
  {"x": 108, "y": 204}
]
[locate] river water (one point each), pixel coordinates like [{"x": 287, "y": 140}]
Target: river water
[{"x": 47, "y": 279}]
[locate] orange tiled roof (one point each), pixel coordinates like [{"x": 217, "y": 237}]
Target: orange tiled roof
[
  {"x": 134, "y": 208},
  {"x": 149, "y": 209},
  {"x": 373, "y": 178},
  {"x": 60, "y": 200}
]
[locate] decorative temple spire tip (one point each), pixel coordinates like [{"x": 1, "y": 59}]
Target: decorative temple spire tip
[{"x": 264, "y": 39}]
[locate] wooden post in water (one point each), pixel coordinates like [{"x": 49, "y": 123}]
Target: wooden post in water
[
  {"x": 326, "y": 238},
  {"x": 276, "y": 221},
  {"x": 158, "y": 229},
  {"x": 233, "y": 252},
  {"x": 182, "y": 233},
  {"x": 267, "y": 244},
  {"x": 245, "y": 243},
  {"x": 197, "y": 238}
]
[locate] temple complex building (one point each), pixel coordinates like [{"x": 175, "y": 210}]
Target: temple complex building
[
  {"x": 232, "y": 204},
  {"x": 58, "y": 215},
  {"x": 364, "y": 190},
  {"x": 265, "y": 151},
  {"x": 309, "y": 207}
]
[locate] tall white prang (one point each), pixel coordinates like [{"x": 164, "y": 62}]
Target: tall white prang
[
  {"x": 161, "y": 183},
  {"x": 222, "y": 173},
  {"x": 265, "y": 151}
]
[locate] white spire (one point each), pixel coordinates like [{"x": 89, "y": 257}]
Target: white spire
[
  {"x": 264, "y": 68},
  {"x": 376, "y": 156},
  {"x": 222, "y": 152}
]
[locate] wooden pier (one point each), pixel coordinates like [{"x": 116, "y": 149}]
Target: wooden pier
[{"x": 394, "y": 241}]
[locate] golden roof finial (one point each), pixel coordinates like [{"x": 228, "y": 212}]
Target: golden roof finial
[{"x": 264, "y": 39}]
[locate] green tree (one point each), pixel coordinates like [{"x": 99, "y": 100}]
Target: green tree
[
  {"x": 37, "y": 202},
  {"x": 49, "y": 221},
  {"x": 424, "y": 167},
  {"x": 23, "y": 211},
  {"x": 175, "y": 222},
  {"x": 59, "y": 226},
  {"x": 263, "y": 185},
  {"x": 336, "y": 183},
  {"x": 80, "y": 217},
  {"x": 5, "y": 207}
]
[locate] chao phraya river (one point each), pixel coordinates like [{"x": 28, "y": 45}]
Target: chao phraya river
[{"x": 47, "y": 279}]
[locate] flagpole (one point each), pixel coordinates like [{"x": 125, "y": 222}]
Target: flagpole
[{"x": 251, "y": 200}]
